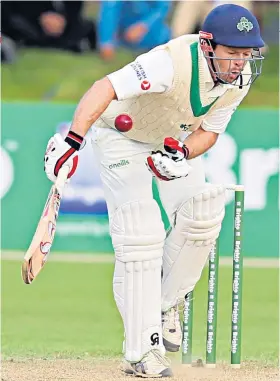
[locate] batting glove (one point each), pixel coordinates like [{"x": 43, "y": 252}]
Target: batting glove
[
  {"x": 60, "y": 153},
  {"x": 170, "y": 164}
]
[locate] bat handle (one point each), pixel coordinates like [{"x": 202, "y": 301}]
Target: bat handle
[{"x": 62, "y": 178}]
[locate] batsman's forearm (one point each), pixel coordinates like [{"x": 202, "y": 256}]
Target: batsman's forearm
[
  {"x": 92, "y": 105},
  {"x": 199, "y": 142}
]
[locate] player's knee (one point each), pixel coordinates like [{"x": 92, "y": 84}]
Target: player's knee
[
  {"x": 200, "y": 218},
  {"x": 137, "y": 231}
]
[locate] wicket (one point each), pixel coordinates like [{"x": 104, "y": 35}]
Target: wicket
[{"x": 212, "y": 302}]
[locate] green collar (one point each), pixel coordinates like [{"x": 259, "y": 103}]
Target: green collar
[{"x": 197, "y": 108}]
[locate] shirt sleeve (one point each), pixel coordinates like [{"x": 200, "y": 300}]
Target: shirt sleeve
[
  {"x": 150, "y": 73},
  {"x": 218, "y": 120}
]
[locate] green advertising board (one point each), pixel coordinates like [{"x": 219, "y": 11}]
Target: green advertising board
[{"x": 247, "y": 153}]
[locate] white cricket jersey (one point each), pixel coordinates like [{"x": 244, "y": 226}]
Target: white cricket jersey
[{"x": 156, "y": 68}]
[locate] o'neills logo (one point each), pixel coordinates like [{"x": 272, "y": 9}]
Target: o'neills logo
[{"x": 121, "y": 163}]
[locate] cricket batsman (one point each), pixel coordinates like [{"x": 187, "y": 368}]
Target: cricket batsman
[{"x": 155, "y": 117}]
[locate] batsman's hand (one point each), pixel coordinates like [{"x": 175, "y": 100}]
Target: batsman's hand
[
  {"x": 60, "y": 153},
  {"x": 170, "y": 164}
]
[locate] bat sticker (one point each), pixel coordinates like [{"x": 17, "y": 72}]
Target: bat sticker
[
  {"x": 51, "y": 229},
  {"x": 56, "y": 203},
  {"x": 45, "y": 247}
]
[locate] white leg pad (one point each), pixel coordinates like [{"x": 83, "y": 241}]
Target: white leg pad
[
  {"x": 197, "y": 226},
  {"x": 138, "y": 237}
]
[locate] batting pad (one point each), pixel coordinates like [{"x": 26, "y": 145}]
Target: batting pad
[
  {"x": 138, "y": 237},
  {"x": 198, "y": 224}
]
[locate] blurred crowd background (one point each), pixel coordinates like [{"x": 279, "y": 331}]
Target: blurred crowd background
[{"x": 80, "y": 41}]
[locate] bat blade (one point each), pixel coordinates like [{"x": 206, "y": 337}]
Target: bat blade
[{"x": 40, "y": 246}]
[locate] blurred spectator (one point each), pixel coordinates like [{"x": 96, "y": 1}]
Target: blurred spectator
[
  {"x": 137, "y": 25},
  {"x": 189, "y": 15},
  {"x": 8, "y": 50},
  {"x": 260, "y": 9},
  {"x": 54, "y": 24},
  {"x": 246, "y": 3}
]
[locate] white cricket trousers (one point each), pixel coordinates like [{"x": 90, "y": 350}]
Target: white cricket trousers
[
  {"x": 138, "y": 235},
  {"x": 126, "y": 178}
]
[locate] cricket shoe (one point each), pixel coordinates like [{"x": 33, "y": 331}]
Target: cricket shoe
[
  {"x": 171, "y": 329},
  {"x": 153, "y": 365}
]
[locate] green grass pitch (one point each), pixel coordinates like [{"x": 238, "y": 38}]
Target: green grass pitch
[{"x": 69, "y": 312}]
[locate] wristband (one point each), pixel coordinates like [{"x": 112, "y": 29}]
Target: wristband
[{"x": 74, "y": 140}]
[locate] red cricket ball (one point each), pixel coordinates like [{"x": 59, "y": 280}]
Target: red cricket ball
[{"x": 123, "y": 123}]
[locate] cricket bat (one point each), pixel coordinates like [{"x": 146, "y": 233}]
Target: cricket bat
[{"x": 39, "y": 249}]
